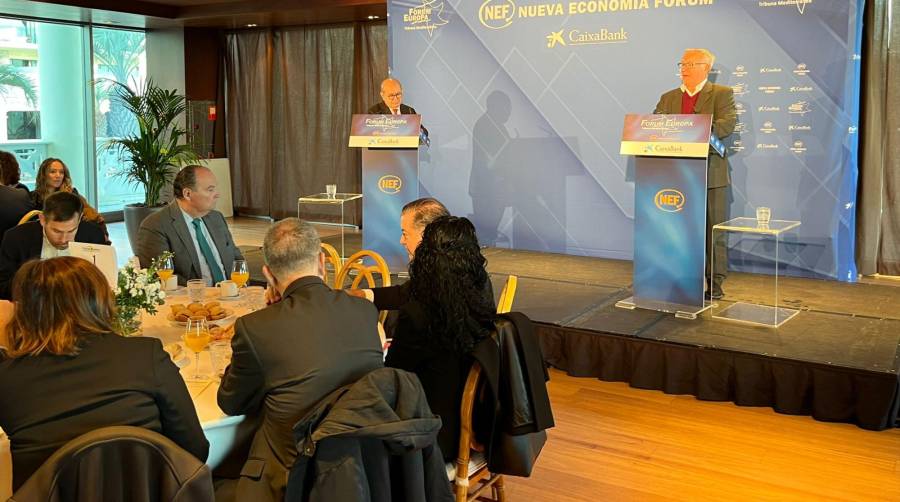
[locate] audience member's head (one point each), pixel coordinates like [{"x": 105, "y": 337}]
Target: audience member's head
[
  {"x": 58, "y": 302},
  {"x": 196, "y": 191},
  {"x": 448, "y": 276},
  {"x": 391, "y": 93},
  {"x": 61, "y": 218},
  {"x": 291, "y": 250},
  {"x": 53, "y": 176},
  {"x": 414, "y": 217},
  {"x": 9, "y": 169}
]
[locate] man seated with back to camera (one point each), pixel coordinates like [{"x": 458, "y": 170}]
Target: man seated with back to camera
[{"x": 59, "y": 224}]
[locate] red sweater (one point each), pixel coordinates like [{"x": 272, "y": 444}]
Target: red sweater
[{"x": 688, "y": 102}]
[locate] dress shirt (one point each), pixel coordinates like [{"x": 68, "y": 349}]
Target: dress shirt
[
  {"x": 695, "y": 90},
  {"x": 50, "y": 251},
  {"x": 204, "y": 267}
]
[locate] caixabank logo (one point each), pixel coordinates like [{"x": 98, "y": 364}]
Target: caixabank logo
[
  {"x": 390, "y": 184},
  {"x": 669, "y": 200}
]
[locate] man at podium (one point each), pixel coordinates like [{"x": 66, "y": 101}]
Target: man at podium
[
  {"x": 391, "y": 100},
  {"x": 697, "y": 95}
]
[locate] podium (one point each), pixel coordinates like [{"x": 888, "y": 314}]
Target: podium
[
  {"x": 390, "y": 179},
  {"x": 671, "y": 154}
]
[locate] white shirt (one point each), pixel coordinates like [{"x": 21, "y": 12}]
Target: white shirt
[
  {"x": 204, "y": 267},
  {"x": 49, "y": 250},
  {"x": 696, "y": 89}
]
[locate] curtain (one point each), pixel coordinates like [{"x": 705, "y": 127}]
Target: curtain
[
  {"x": 878, "y": 211},
  {"x": 290, "y": 94}
]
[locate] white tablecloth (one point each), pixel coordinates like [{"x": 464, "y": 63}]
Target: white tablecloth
[{"x": 221, "y": 430}]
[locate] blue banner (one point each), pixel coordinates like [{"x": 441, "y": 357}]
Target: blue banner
[
  {"x": 524, "y": 100},
  {"x": 390, "y": 181}
]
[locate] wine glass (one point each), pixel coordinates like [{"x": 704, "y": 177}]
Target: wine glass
[
  {"x": 240, "y": 274},
  {"x": 196, "y": 337},
  {"x": 165, "y": 271}
]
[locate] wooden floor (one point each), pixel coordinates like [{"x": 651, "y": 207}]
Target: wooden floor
[{"x": 612, "y": 442}]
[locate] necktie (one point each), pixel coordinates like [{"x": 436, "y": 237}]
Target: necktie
[
  {"x": 214, "y": 269},
  {"x": 395, "y": 112}
]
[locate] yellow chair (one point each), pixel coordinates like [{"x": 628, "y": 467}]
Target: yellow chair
[
  {"x": 30, "y": 215},
  {"x": 507, "y": 296},
  {"x": 357, "y": 262},
  {"x": 332, "y": 257},
  {"x": 471, "y": 467}
]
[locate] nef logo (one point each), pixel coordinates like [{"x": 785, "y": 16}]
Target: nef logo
[
  {"x": 390, "y": 184},
  {"x": 496, "y": 14},
  {"x": 669, "y": 200}
]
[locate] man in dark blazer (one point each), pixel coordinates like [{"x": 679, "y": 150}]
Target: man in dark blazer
[
  {"x": 191, "y": 229},
  {"x": 697, "y": 95},
  {"x": 292, "y": 354},
  {"x": 391, "y": 100},
  {"x": 14, "y": 204},
  {"x": 59, "y": 224}
]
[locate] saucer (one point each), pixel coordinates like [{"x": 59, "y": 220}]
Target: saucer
[{"x": 229, "y": 298}]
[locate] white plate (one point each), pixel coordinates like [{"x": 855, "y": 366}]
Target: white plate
[
  {"x": 228, "y": 315},
  {"x": 229, "y": 298}
]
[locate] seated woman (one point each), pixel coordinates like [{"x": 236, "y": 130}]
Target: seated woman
[
  {"x": 448, "y": 313},
  {"x": 53, "y": 176},
  {"x": 65, "y": 372}
]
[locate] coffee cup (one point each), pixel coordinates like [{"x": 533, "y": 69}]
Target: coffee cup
[{"x": 227, "y": 289}]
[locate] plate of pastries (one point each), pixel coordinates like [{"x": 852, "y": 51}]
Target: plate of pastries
[
  {"x": 217, "y": 333},
  {"x": 212, "y": 311}
]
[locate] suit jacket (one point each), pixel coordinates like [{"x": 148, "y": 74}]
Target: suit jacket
[
  {"x": 286, "y": 358},
  {"x": 382, "y": 109},
  {"x": 442, "y": 372},
  {"x": 14, "y": 204},
  {"x": 395, "y": 297},
  {"x": 717, "y": 100},
  {"x": 166, "y": 230},
  {"x": 24, "y": 242},
  {"x": 47, "y": 400}
]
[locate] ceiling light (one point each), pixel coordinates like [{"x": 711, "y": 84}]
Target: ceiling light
[
  {"x": 373, "y": 17},
  {"x": 252, "y": 25}
]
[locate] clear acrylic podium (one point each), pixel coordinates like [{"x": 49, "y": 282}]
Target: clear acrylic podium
[
  {"x": 763, "y": 315},
  {"x": 321, "y": 201}
]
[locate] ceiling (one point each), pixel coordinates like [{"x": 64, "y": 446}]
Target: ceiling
[{"x": 228, "y": 14}]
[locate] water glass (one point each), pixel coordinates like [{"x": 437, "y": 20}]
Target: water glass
[
  {"x": 331, "y": 191},
  {"x": 763, "y": 215},
  {"x": 220, "y": 356},
  {"x": 196, "y": 290}
]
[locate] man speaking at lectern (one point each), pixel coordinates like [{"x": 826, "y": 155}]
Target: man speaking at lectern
[
  {"x": 391, "y": 97},
  {"x": 697, "y": 95}
]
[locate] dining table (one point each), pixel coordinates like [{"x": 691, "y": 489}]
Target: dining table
[{"x": 225, "y": 433}]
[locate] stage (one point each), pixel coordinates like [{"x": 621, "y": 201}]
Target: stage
[{"x": 838, "y": 360}]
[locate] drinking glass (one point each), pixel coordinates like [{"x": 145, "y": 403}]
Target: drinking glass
[
  {"x": 196, "y": 338},
  {"x": 166, "y": 269},
  {"x": 331, "y": 191},
  {"x": 196, "y": 290},
  {"x": 220, "y": 356},
  {"x": 240, "y": 274},
  {"x": 763, "y": 214}
]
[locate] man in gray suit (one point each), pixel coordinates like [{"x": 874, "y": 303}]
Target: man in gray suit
[
  {"x": 290, "y": 355},
  {"x": 698, "y": 95},
  {"x": 192, "y": 229}
]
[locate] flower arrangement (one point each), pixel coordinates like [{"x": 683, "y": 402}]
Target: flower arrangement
[{"x": 138, "y": 290}]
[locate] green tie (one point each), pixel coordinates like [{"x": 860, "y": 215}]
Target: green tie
[{"x": 207, "y": 253}]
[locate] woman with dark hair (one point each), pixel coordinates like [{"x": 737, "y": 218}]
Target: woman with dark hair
[
  {"x": 64, "y": 371},
  {"x": 448, "y": 313},
  {"x": 53, "y": 176},
  {"x": 9, "y": 171}
]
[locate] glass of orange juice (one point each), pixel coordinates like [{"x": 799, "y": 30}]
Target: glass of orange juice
[
  {"x": 240, "y": 274},
  {"x": 165, "y": 271},
  {"x": 196, "y": 337}
]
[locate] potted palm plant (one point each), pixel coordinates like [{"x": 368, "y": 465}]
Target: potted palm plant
[{"x": 153, "y": 153}]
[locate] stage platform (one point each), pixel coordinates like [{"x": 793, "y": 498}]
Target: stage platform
[{"x": 837, "y": 360}]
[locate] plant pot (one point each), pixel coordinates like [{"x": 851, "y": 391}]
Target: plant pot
[{"x": 134, "y": 215}]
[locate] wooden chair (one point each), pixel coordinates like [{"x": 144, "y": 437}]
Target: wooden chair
[
  {"x": 504, "y": 304},
  {"x": 332, "y": 257},
  {"x": 30, "y": 215},
  {"x": 473, "y": 478},
  {"x": 357, "y": 263}
]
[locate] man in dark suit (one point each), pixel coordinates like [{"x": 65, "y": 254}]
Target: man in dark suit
[
  {"x": 290, "y": 355},
  {"x": 14, "y": 204},
  {"x": 391, "y": 100},
  {"x": 191, "y": 229},
  {"x": 698, "y": 95},
  {"x": 59, "y": 224}
]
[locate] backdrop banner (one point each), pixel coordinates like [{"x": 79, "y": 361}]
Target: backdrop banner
[{"x": 524, "y": 100}]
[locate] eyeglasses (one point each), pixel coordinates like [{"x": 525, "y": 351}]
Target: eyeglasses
[
  {"x": 691, "y": 65},
  {"x": 395, "y": 95}
]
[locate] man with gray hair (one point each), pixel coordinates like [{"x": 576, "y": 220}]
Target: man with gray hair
[{"x": 290, "y": 355}]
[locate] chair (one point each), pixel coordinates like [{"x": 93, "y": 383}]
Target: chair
[
  {"x": 119, "y": 463},
  {"x": 30, "y": 215},
  {"x": 332, "y": 257},
  {"x": 471, "y": 466},
  {"x": 504, "y": 304},
  {"x": 357, "y": 263}
]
